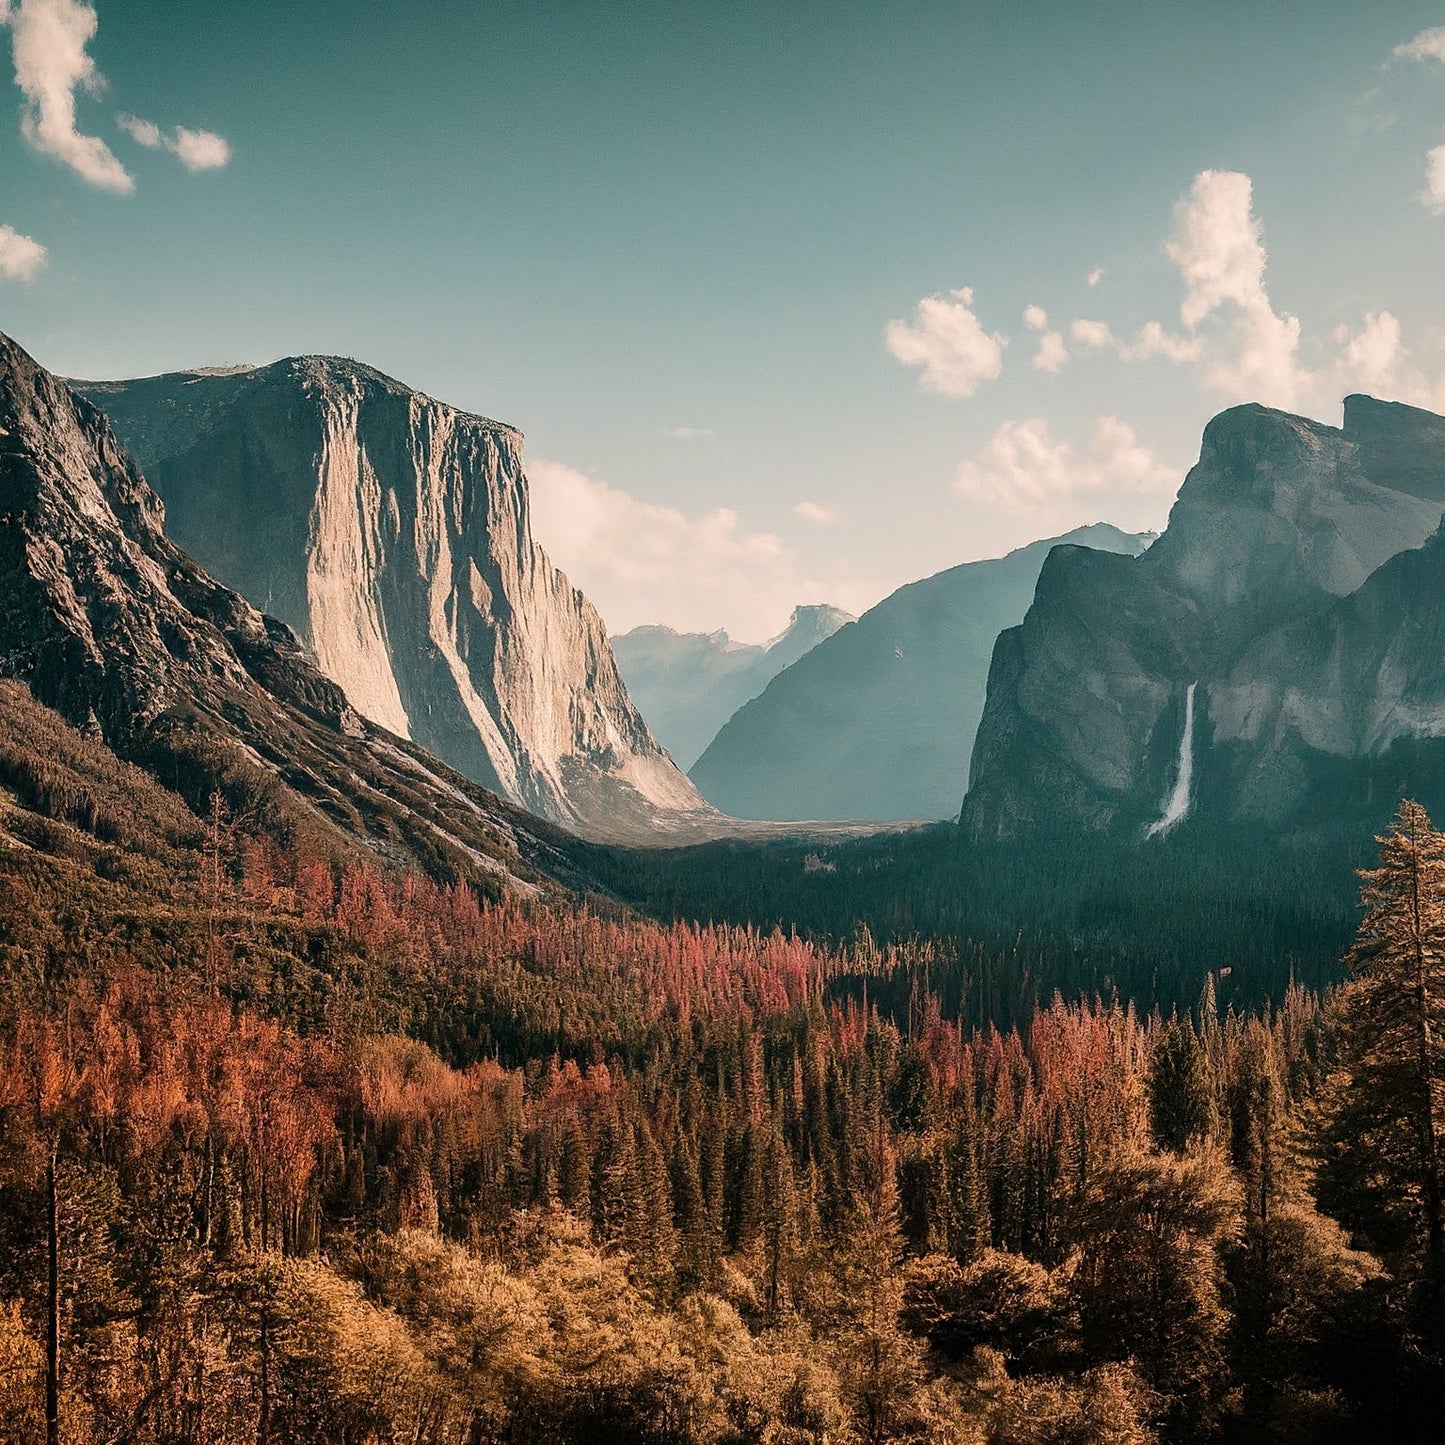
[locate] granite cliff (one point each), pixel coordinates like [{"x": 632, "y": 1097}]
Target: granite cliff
[
  {"x": 107, "y": 622},
  {"x": 392, "y": 533},
  {"x": 1269, "y": 652}
]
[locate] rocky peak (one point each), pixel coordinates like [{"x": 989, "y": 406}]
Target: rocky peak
[
  {"x": 107, "y": 621},
  {"x": 1283, "y": 521},
  {"x": 393, "y": 533},
  {"x": 1401, "y": 447}
]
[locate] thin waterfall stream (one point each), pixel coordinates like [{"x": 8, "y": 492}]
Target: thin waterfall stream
[{"x": 1177, "y": 804}]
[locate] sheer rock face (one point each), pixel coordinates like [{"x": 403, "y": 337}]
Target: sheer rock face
[
  {"x": 1282, "y": 534},
  {"x": 876, "y": 721},
  {"x": 688, "y": 684},
  {"x": 108, "y": 622},
  {"x": 392, "y": 533}
]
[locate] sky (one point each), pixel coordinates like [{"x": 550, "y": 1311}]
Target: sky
[{"x": 794, "y": 302}]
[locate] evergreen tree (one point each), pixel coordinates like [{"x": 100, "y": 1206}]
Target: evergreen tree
[{"x": 1383, "y": 1141}]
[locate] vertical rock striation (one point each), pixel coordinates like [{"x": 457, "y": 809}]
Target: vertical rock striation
[{"x": 392, "y": 532}]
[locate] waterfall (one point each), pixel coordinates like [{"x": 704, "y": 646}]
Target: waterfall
[{"x": 1177, "y": 804}]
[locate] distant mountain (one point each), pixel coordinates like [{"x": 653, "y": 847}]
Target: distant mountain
[
  {"x": 392, "y": 533},
  {"x": 877, "y": 721},
  {"x": 688, "y": 684},
  {"x": 1273, "y": 664},
  {"x": 107, "y": 622}
]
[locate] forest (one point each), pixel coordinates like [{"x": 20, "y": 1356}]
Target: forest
[{"x": 296, "y": 1148}]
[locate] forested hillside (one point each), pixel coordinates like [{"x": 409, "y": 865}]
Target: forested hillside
[{"x": 295, "y": 1149}]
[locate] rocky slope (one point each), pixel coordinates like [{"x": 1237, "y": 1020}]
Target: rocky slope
[
  {"x": 105, "y": 620},
  {"x": 688, "y": 684},
  {"x": 876, "y": 722},
  {"x": 1273, "y": 596},
  {"x": 392, "y": 533}
]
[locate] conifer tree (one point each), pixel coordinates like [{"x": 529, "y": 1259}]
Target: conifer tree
[{"x": 1384, "y": 1137}]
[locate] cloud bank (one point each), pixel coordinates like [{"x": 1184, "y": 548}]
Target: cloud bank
[
  {"x": 642, "y": 562},
  {"x": 1022, "y": 469}
]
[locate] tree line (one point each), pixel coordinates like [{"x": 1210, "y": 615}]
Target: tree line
[{"x": 317, "y": 1153}]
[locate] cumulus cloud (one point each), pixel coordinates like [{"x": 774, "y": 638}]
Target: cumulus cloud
[
  {"x": 197, "y": 150},
  {"x": 1095, "y": 276},
  {"x": 1022, "y": 469},
  {"x": 1242, "y": 346},
  {"x": 1036, "y": 318},
  {"x": 48, "y": 40},
  {"x": 1218, "y": 247},
  {"x": 947, "y": 340},
  {"x": 643, "y": 562},
  {"x": 1052, "y": 353},
  {"x": 1427, "y": 45},
  {"x": 20, "y": 257},
  {"x": 1091, "y": 335},
  {"x": 687, "y": 433},
  {"x": 815, "y": 512}
]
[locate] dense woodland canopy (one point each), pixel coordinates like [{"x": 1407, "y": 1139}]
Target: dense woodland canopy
[{"x": 292, "y": 1148}]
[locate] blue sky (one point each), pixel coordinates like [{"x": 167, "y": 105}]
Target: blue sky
[{"x": 754, "y": 279}]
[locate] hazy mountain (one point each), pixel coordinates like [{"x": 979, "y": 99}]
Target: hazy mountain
[
  {"x": 392, "y": 532},
  {"x": 108, "y": 622},
  {"x": 1264, "y": 664},
  {"x": 877, "y": 721},
  {"x": 688, "y": 684}
]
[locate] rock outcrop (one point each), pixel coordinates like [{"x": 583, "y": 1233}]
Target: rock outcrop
[
  {"x": 877, "y": 721},
  {"x": 1265, "y": 593},
  {"x": 392, "y": 533},
  {"x": 109, "y": 623},
  {"x": 688, "y": 684}
]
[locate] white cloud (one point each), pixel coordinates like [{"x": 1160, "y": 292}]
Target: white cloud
[
  {"x": 1434, "y": 192},
  {"x": 1095, "y": 276},
  {"x": 643, "y": 562},
  {"x": 197, "y": 150},
  {"x": 1036, "y": 318},
  {"x": 20, "y": 257},
  {"x": 1052, "y": 353},
  {"x": 1022, "y": 469},
  {"x": 1427, "y": 45},
  {"x": 1218, "y": 247},
  {"x": 815, "y": 512},
  {"x": 947, "y": 340},
  {"x": 200, "y": 150},
  {"x": 1092, "y": 335},
  {"x": 687, "y": 433},
  {"x": 1153, "y": 340},
  {"x": 48, "y": 40}
]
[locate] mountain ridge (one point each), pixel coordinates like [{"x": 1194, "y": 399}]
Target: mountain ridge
[
  {"x": 688, "y": 684},
  {"x": 107, "y": 622},
  {"x": 1281, "y": 519},
  {"x": 398, "y": 546},
  {"x": 876, "y": 722}
]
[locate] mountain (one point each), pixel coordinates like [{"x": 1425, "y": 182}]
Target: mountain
[
  {"x": 1272, "y": 661},
  {"x": 876, "y": 722},
  {"x": 392, "y": 533},
  {"x": 109, "y": 624},
  {"x": 688, "y": 684}
]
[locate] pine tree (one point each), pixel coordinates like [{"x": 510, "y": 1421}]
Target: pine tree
[
  {"x": 1383, "y": 1140},
  {"x": 1181, "y": 1106}
]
